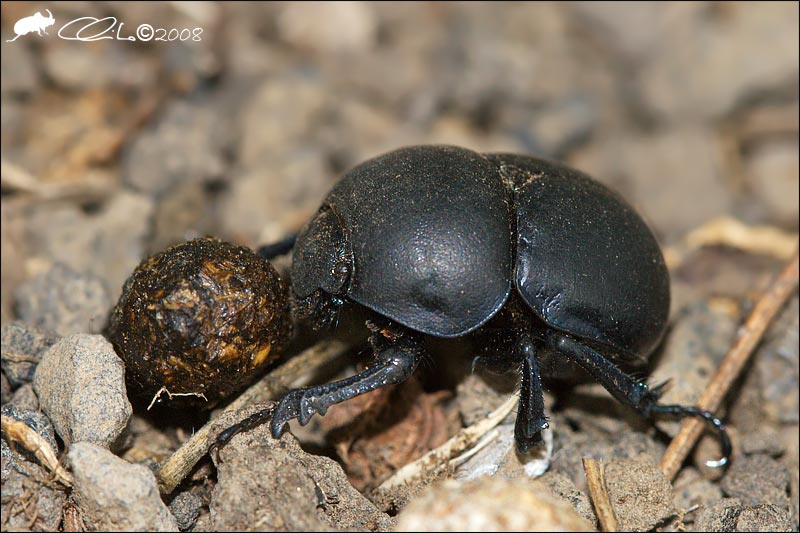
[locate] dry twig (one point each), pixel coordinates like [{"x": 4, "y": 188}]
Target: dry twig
[
  {"x": 727, "y": 231},
  {"x": 439, "y": 458},
  {"x": 595, "y": 477},
  {"x": 15, "y": 178},
  {"x": 749, "y": 335},
  {"x": 19, "y": 432}
]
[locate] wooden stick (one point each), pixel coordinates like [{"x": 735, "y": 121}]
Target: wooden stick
[
  {"x": 18, "y": 431},
  {"x": 749, "y": 335},
  {"x": 438, "y": 458},
  {"x": 730, "y": 232},
  {"x": 172, "y": 471},
  {"x": 595, "y": 477}
]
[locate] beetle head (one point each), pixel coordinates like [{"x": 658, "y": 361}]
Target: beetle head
[{"x": 322, "y": 257}]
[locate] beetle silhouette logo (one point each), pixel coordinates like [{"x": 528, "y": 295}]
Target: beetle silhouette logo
[{"x": 35, "y": 22}]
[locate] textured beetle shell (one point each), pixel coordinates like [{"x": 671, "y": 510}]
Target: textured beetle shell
[
  {"x": 433, "y": 231},
  {"x": 587, "y": 264},
  {"x": 200, "y": 318},
  {"x": 429, "y": 233}
]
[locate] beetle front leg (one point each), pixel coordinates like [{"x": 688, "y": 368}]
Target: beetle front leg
[
  {"x": 273, "y": 250},
  {"x": 629, "y": 391},
  {"x": 531, "y": 420},
  {"x": 397, "y": 357}
]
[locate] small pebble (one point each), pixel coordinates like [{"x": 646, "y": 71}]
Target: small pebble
[
  {"x": 691, "y": 489},
  {"x": 710, "y": 60},
  {"x": 281, "y": 198},
  {"x": 19, "y": 476},
  {"x": 764, "y": 518},
  {"x": 777, "y": 363},
  {"x": 757, "y": 480},
  {"x": 25, "y": 398},
  {"x": 721, "y": 516},
  {"x": 268, "y": 478},
  {"x": 563, "y": 487},
  {"x": 5, "y": 389},
  {"x": 107, "y": 243},
  {"x": 730, "y": 515},
  {"x": 185, "y": 508},
  {"x": 183, "y": 147},
  {"x": 81, "y": 386},
  {"x": 318, "y": 25},
  {"x": 773, "y": 170},
  {"x": 22, "y": 349},
  {"x": 490, "y": 504},
  {"x": 640, "y": 494},
  {"x": 115, "y": 495},
  {"x": 64, "y": 301}
]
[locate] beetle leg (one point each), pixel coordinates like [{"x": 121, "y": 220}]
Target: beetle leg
[
  {"x": 397, "y": 360},
  {"x": 530, "y": 416},
  {"x": 251, "y": 422},
  {"x": 630, "y": 391},
  {"x": 273, "y": 250}
]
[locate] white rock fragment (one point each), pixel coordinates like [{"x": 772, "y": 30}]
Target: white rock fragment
[{"x": 490, "y": 504}]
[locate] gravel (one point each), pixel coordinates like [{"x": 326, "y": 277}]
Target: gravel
[
  {"x": 107, "y": 243},
  {"x": 115, "y": 495},
  {"x": 254, "y": 473},
  {"x": 639, "y": 493},
  {"x": 758, "y": 480},
  {"x": 64, "y": 301},
  {"x": 185, "y": 507},
  {"x": 36, "y": 421},
  {"x": 730, "y": 515},
  {"x": 113, "y": 151},
  {"x": 22, "y": 349},
  {"x": 21, "y": 493},
  {"x": 81, "y": 386},
  {"x": 21, "y": 476},
  {"x": 25, "y": 398},
  {"x": 183, "y": 147},
  {"x": 490, "y": 504}
]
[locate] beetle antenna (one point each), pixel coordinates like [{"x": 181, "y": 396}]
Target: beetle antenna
[{"x": 681, "y": 410}]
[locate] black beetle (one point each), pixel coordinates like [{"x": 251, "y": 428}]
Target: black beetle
[{"x": 437, "y": 239}]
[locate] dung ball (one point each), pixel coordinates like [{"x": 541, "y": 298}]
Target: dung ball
[{"x": 199, "y": 320}]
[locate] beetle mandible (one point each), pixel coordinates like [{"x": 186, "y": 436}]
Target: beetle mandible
[{"x": 438, "y": 239}]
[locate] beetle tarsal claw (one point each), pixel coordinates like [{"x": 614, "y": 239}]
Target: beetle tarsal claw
[
  {"x": 725, "y": 440},
  {"x": 306, "y": 412},
  {"x": 719, "y": 463},
  {"x": 301, "y": 404},
  {"x": 288, "y": 408}
]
